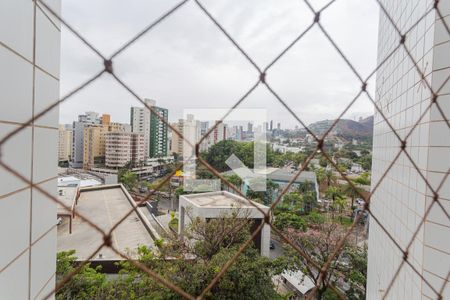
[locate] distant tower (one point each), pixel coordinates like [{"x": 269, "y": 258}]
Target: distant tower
[
  {"x": 271, "y": 125},
  {"x": 249, "y": 127},
  {"x": 155, "y": 131}
]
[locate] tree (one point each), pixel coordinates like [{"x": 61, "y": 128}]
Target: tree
[
  {"x": 180, "y": 191},
  {"x": 87, "y": 283},
  {"x": 363, "y": 179},
  {"x": 339, "y": 204},
  {"x": 320, "y": 175},
  {"x": 323, "y": 162},
  {"x": 294, "y": 201},
  {"x": 337, "y": 197},
  {"x": 234, "y": 180},
  {"x": 357, "y": 272},
  {"x": 265, "y": 197},
  {"x": 285, "y": 220},
  {"x": 314, "y": 218},
  {"x": 366, "y": 161},
  {"x": 204, "y": 173},
  {"x": 319, "y": 242},
  {"x": 309, "y": 200},
  {"x": 330, "y": 177},
  {"x": 215, "y": 243},
  {"x": 333, "y": 193},
  {"x": 128, "y": 179},
  {"x": 351, "y": 192},
  {"x": 271, "y": 187}
]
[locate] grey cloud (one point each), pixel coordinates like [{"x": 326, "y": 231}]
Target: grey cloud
[{"x": 187, "y": 62}]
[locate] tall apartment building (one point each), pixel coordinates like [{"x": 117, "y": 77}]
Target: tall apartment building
[
  {"x": 94, "y": 145},
  {"x": 140, "y": 123},
  {"x": 94, "y": 140},
  {"x": 64, "y": 143},
  {"x": 155, "y": 131},
  {"x": 88, "y": 118},
  {"x": 403, "y": 197},
  {"x": 123, "y": 148},
  {"x": 158, "y": 133},
  {"x": 176, "y": 142},
  {"x": 219, "y": 133},
  {"x": 190, "y": 129},
  {"x": 29, "y": 83},
  {"x": 250, "y": 127}
]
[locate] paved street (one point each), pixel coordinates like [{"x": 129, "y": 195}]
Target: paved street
[{"x": 278, "y": 251}]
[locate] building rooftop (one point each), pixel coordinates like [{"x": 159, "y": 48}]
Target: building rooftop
[
  {"x": 287, "y": 175},
  {"x": 82, "y": 182},
  {"x": 105, "y": 206},
  {"x": 67, "y": 195},
  {"x": 277, "y": 174},
  {"x": 299, "y": 281},
  {"x": 221, "y": 199}
]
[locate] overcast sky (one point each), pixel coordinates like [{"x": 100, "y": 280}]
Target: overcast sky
[{"x": 186, "y": 62}]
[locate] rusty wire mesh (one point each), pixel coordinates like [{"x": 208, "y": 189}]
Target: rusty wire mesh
[{"x": 322, "y": 270}]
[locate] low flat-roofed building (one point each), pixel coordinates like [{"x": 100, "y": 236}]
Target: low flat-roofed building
[
  {"x": 280, "y": 176},
  {"x": 81, "y": 179},
  {"x": 68, "y": 192},
  {"x": 214, "y": 205},
  {"x": 297, "y": 282},
  {"x": 105, "y": 206}
]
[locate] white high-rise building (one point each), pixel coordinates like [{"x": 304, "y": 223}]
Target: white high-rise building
[
  {"x": 190, "y": 129},
  {"x": 140, "y": 123},
  {"x": 155, "y": 131},
  {"x": 29, "y": 83},
  {"x": 402, "y": 199},
  {"x": 191, "y": 132}
]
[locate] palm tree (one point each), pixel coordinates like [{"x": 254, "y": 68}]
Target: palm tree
[
  {"x": 351, "y": 192},
  {"x": 329, "y": 175},
  {"x": 320, "y": 175},
  {"x": 333, "y": 193},
  {"x": 309, "y": 200},
  {"x": 336, "y": 196},
  {"x": 271, "y": 187},
  {"x": 339, "y": 203}
]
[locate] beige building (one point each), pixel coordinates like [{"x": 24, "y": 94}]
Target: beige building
[
  {"x": 176, "y": 143},
  {"x": 124, "y": 147},
  {"x": 64, "y": 144},
  {"x": 94, "y": 140},
  {"x": 94, "y": 145}
]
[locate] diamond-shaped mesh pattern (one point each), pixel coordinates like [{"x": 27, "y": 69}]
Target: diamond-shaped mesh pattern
[{"x": 322, "y": 270}]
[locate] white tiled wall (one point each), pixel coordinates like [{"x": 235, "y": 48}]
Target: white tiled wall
[
  {"x": 29, "y": 82},
  {"x": 402, "y": 199}
]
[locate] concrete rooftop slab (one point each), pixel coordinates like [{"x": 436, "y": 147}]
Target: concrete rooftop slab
[{"x": 105, "y": 207}]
